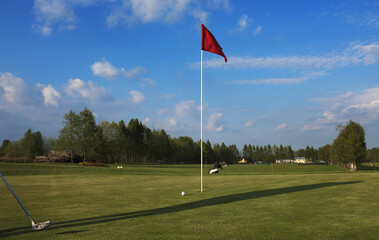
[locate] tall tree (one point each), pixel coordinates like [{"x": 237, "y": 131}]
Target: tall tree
[
  {"x": 308, "y": 153},
  {"x": 185, "y": 150},
  {"x": 87, "y": 137},
  {"x": 111, "y": 133},
  {"x": 123, "y": 140},
  {"x": 282, "y": 152},
  {"x": 290, "y": 153},
  {"x": 3, "y": 147},
  {"x": 350, "y": 145},
  {"x": 373, "y": 156},
  {"x": 233, "y": 154},
  {"x": 209, "y": 155},
  {"x": 27, "y": 143},
  {"x": 14, "y": 149},
  {"x": 68, "y": 135},
  {"x": 247, "y": 152},
  {"x": 32, "y": 144},
  {"x": 300, "y": 153},
  {"x": 136, "y": 139},
  {"x": 324, "y": 153}
]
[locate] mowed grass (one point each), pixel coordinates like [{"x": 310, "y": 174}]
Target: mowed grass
[{"x": 144, "y": 202}]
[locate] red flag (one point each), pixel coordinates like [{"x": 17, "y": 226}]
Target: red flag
[{"x": 209, "y": 43}]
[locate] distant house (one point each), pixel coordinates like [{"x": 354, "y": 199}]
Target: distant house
[
  {"x": 298, "y": 160},
  {"x": 41, "y": 159},
  {"x": 243, "y": 161},
  {"x": 301, "y": 160},
  {"x": 54, "y": 156},
  {"x": 284, "y": 161}
]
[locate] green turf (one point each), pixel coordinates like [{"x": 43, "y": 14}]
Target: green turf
[{"x": 144, "y": 202}]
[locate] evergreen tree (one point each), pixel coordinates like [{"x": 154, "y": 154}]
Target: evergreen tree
[
  {"x": 324, "y": 153},
  {"x": 209, "y": 155},
  {"x": 3, "y": 147},
  {"x": 373, "y": 156}
]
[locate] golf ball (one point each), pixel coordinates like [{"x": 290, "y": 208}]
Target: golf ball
[{"x": 183, "y": 193}]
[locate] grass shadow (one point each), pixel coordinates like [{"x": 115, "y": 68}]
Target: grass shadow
[
  {"x": 368, "y": 168},
  {"x": 177, "y": 208}
]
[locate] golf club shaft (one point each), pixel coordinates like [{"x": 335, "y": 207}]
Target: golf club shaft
[{"x": 18, "y": 200}]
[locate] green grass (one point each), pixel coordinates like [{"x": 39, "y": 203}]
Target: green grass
[{"x": 144, "y": 202}]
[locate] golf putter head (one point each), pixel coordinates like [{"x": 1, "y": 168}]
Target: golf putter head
[{"x": 40, "y": 226}]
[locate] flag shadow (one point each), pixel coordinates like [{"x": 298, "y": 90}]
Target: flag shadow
[{"x": 176, "y": 208}]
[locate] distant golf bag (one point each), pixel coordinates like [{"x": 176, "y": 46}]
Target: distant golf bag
[
  {"x": 216, "y": 168},
  {"x": 35, "y": 226}
]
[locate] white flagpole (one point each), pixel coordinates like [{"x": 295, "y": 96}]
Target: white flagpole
[{"x": 201, "y": 120}]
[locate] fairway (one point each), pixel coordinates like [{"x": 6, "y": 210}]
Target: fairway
[{"x": 145, "y": 202}]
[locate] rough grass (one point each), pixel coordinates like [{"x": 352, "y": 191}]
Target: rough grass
[{"x": 144, "y": 202}]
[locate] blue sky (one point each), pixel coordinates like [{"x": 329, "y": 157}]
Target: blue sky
[{"x": 295, "y": 69}]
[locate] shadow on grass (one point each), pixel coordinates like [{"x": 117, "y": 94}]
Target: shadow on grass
[
  {"x": 176, "y": 208},
  {"x": 368, "y": 168}
]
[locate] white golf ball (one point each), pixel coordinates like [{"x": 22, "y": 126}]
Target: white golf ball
[{"x": 183, "y": 193}]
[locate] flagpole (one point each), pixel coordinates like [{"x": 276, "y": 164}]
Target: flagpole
[{"x": 201, "y": 120}]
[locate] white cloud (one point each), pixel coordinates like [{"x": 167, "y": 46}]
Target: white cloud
[
  {"x": 12, "y": 88},
  {"x": 21, "y": 107},
  {"x": 105, "y": 69},
  {"x": 136, "y": 97},
  {"x": 172, "y": 123},
  {"x": 242, "y": 23},
  {"x": 354, "y": 55},
  {"x": 170, "y": 96},
  {"x": 362, "y": 107},
  {"x": 146, "y": 121},
  {"x": 148, "y": 11},
  {"x": 162, "y": 111},
  {"x": 271, "y": 81},
  {"x": 308, "y": 127},
  {"x": 363, "y": 13},
  {"x": 367, "y": 101},
  {"x": 44, "y": 30},
  {"x": 281, "y": 126},
  {"x": 279, "y": 81},
  {"x": 219, "y": 4},
  {"x": 258, "y": 30},
  {"x": 185, "y": 109},
  {"x": 185, "y": 117},
  {"x": 253, "y": 122},
  {"x": 200, "y": 14},
  {"x": 167, "y": 11},
  {"x": 368, "y": 53},
  {"x": 145, "y": 82},
  {"x": 328, "y": 115},
  {"x": 216, "y": 122},
  {"x": 77, "y": 88},
  {"x": 50, "y": 12},
  {"x": 50, "y": 95},
  {"x": 136, "y": 72}
]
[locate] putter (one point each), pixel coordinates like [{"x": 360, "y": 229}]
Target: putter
[{"x": 35, "y": 226}]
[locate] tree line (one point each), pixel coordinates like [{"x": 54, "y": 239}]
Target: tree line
[
  {"x": 114, "y": 142},
  {"x": 252, "y": 153},
  {"x": 32, "y": 144}
]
